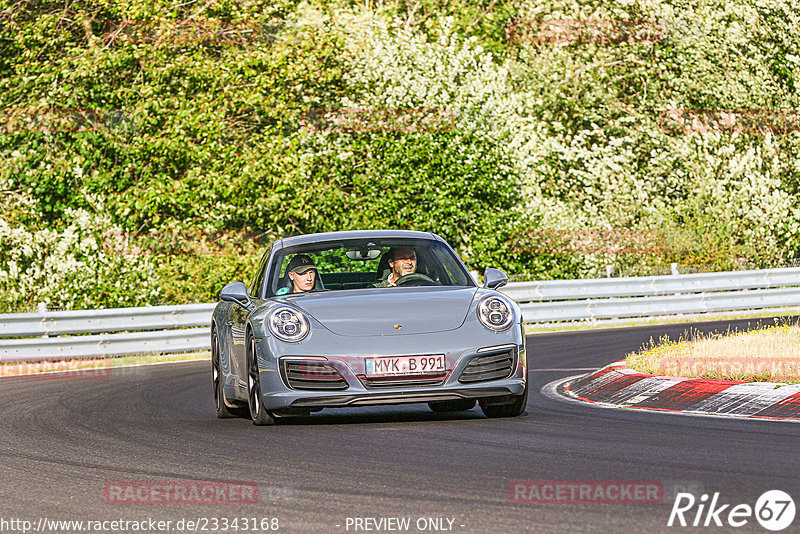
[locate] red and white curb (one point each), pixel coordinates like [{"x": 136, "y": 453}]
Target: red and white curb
[{"x": 620, "y": 386}]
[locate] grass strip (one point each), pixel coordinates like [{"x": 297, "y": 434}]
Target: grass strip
[{"x": 768, "y": 354}]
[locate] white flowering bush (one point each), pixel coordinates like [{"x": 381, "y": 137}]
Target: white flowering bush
[
  {"x": 594, "y": 137},
  {"x": 553, "y": 156},
  {"x": 736, "y": 198},
  {"x": 413, "y": 139},
  {"x": 581, "y": 127},
  {"x": 84, "y": 263},
  {"x": 391, "y": 66}
]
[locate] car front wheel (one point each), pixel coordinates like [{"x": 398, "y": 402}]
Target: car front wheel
[
  {"x": 222, "y": 408},
  {"x": 257, "y": 412},
  {"x": 507, "y": 409}
]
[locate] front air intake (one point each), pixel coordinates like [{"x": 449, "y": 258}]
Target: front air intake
[
  {"x": 312, "y": 375},
  {"x": 492, "y": 366}
]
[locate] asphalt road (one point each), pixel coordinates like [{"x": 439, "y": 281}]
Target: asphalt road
[{"x": 65, "y": 440}]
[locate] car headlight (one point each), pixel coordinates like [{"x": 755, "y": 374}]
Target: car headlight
[
  {"x": 495, "y": 313},
  {"x": 288, "y": 325}
]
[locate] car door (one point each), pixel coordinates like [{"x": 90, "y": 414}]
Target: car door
[{"x": 238, "y": 322}]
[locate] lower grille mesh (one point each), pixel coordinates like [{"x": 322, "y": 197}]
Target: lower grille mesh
[
  {"x": 312, "y": 375},
  {"x": 488, "y": 367},
  {"x": 429, "y": 380}
]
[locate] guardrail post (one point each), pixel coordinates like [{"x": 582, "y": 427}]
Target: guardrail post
[
  {"x": 674, "y": 268},
  {"x": 41, "y": 308}
]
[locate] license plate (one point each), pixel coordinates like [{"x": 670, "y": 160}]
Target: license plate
[{"x": 405, "y": 365}]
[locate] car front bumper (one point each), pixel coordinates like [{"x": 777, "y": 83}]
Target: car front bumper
[
  {"x": 329, "y": 399},
  {"x": 347, "y": 356}
]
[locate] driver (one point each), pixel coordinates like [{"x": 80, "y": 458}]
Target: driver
[
  {"x": 403, "y": 261},
  {"x": 303, "y": 274}
]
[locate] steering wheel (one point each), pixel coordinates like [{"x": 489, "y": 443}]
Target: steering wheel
[{"x": 419, "y": 278}]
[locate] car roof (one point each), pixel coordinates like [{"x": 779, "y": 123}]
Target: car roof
[{"x": 354, "y": 234}]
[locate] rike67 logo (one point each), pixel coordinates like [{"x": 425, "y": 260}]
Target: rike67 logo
[{"x": 774, "y": 510}]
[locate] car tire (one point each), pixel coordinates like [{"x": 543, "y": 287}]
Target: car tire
[
  {"x": 510, "y": 409},
  {"x": 459, "y": 405},
  {"x": 258, "y": 414},
  {"x": 221, "y": 406}
]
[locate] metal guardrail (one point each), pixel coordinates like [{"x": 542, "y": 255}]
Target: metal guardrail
[
  {"x": 618, "y": 308},
  {"x": 169, "y": 329},
  {"x": 146, "y": 330},
  {"x": 647, "y": 296},
  {"x": 595, "y": 288},
  {"x": 104, "y": 345},
  {"x": 58, "y": 323}
]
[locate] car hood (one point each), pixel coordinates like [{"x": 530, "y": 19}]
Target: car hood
[{"x": 378, "y": 312}]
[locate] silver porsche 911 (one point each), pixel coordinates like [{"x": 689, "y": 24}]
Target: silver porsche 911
[{"x": 366, "y": 318}]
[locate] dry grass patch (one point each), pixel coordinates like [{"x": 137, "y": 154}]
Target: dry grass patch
[{"x": 770, "y": 354}]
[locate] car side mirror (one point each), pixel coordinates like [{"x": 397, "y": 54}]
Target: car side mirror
[
  {"x": 236, "y": 292},
  {"x": 494, "y": 278}
]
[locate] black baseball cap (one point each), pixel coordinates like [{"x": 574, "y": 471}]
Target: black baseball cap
[{"x": 300, "y": 264}]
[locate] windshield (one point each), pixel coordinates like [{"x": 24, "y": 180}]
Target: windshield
[{"x": 359, "y": 264}]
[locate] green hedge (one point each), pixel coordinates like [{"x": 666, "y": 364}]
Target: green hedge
[{"x": 166, "y": 121}]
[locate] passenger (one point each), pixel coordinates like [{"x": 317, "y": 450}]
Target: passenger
[
  {"x": 303, "y": 274},
  {"x": 402, "y": 261}
]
